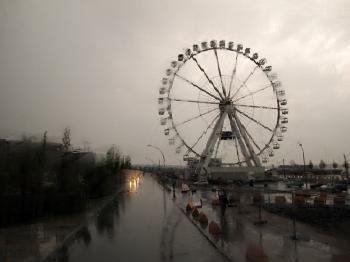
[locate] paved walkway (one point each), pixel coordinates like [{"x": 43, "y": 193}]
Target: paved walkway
[{"x": 272, "y": 239}]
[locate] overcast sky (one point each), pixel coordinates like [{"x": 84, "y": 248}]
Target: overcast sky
[{"x": 96, "y": 67}]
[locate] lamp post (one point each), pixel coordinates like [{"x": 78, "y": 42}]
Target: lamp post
[
  {"x": 346, "y": 166},
  {"x": 157, "y": 148},
  {"x": 302, "y": 149}
]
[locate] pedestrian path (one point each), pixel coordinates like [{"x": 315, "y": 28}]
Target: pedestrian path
[{"x": 240, "y": 234}]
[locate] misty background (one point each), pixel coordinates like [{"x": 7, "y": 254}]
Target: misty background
[{"x": 96, "y": 66}]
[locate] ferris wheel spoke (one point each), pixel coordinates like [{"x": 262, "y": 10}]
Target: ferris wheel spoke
[
  {"x": 193, "y": 84},
  {"x": 254, "y": 106},
  {"x": 245, "y": 81},
  {"x": 218, "y": 64},
  {"x": 233, "y": 74},
  {"x": 193, "y": 118},
  {"x": 250, "y": 137},
  {"x": 217, "y": 147},
  {"x": 254, "y": 120},
  {"x": 193, "y": 101},
  {"x": 237, "y": 151},
  {"x": 252, "y": 93},
  {"x": 206, "y": 75},
  {"x": 205, "y": 130}
]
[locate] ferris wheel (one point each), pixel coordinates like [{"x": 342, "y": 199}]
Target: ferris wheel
[{"x": 222, "y": 105}]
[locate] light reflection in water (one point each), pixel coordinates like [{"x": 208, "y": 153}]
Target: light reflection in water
[{"x": 134, "y": 184}]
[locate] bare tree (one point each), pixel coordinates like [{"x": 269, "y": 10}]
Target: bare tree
[
  {"x": 335, "y": 164},
  {"x": 44, "y": 140},
  {"x": 66, "y": 139},
  {"x": 311, "y": 165},
  {"x": 322, "y": 164}
]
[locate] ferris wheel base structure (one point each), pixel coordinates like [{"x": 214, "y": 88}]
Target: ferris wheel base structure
[{"x": 228, "y": 174}]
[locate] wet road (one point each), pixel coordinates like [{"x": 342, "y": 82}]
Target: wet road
[{"x": 141, "y": 225}]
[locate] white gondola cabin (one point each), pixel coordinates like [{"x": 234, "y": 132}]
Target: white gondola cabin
[
  {"x": 160, "y": 100},
  {"x": 272, "y": 76},
  {"x": 281, "y": 92},
  {"x": 262, "y": 61},
  {"x": 171, "y": 141},
  {"x": 276, "y": 145},
  {"x": 230, "y": 45},
  {"x": 168, "y": 72},
  {"x": 284, "y": 120},
  {"x": 163, "y": 121},
  {"x": 239, "y": 47},
  {"x": 161, "y": 111},
  {"x": 164, "y": 80},
  {"x": 166, "y": 131},
  {"x": 255, "y": 56},
  {"x": 180, "y": 57},
  {"x": 284, "y": 111},
  {"x": 222, "y": 44},
  {"x": 283, "y": 102},
  {"x": 173, "y": 64},
  {"x": 213, "y": 44},
  {"x": 195, "y": 48},
  {"x": 283, "y": 129},
  {"x": 276, "y": 84},
  {"x": 204, "y": 45},
  {"x": 267, "y": 68},
  {"x": 162, "y": 90}
]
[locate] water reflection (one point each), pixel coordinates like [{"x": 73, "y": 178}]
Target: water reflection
[
  {"x": 134, "y": 183},
  {"x": 84, "y": 234},
  {"x": 151, "y": 228},
  {"x": 105, "y": 222}
]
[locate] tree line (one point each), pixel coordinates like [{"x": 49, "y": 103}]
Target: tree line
[{"x": 43, "y": 178}]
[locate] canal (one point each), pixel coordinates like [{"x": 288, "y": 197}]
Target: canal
[{"x": 142, "y": 224}]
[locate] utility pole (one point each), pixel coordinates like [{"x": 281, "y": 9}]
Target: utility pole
[
  {"x": 294, "y": 236},
  {"x": 346, "y": 165},
  {"x": 284, "y": 170},
  {"x": 302, "y": 149}
]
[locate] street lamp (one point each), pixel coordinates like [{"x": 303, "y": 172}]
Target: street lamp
[
  {"x": 148, "y": 159},
  {"x": 302, "y": 149},
  {"x": 157, "y": 148}
]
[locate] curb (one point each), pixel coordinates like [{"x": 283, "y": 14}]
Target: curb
[{"x": 206, "y": 235}]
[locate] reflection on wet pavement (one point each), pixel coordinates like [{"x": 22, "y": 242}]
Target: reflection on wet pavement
[{"x": 141, "y": 225}]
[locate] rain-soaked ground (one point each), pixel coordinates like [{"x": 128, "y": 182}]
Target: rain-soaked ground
[
  {"x": 145, "y": 223},
  {"x": 142, "y": 225}
]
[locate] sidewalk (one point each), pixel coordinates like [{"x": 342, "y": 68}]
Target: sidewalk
[{"x": 272, "y": 241}]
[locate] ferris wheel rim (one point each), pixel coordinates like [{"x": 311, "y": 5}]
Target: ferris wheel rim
[{"x": 258, "y": 65}]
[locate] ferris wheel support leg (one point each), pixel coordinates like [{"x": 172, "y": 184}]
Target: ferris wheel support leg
[
  {"x": 235, "y": 130},
  {"x": 255, "y": 159},
  {"x": 209, "y": 148}
]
